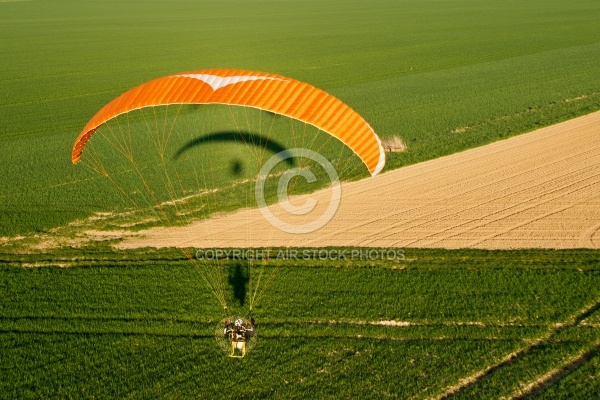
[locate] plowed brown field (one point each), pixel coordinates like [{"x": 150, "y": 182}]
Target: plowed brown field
[{"x": 537, "y": 190}]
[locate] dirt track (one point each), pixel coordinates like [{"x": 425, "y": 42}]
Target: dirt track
[{"x": 537, "y": 190}]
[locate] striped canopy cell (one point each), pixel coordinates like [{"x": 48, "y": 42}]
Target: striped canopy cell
[{"x": 264, "y": 91}]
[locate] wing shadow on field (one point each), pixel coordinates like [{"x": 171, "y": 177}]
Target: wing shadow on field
[
  {"x": 261, "y": 143},
  {"x": 239, "y": 278}
]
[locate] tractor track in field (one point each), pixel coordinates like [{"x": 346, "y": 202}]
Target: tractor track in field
[
  {"x": 530, "y": 388},
  {"x": 536, "y": 190}
]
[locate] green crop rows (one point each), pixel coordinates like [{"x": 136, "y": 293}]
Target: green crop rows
[
  {"x": 442, "y": 75},
  {"x": 88, "y": 322},
  {"x": 141, "y": 324}
]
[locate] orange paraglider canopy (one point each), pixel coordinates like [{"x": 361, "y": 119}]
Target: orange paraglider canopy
[{"x": 269, "y": 92}]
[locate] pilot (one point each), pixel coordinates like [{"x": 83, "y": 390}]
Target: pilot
[{"x": 239, "y": 333}]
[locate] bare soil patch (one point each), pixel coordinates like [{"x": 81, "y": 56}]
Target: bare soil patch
[{"x": 537, "y": 190}]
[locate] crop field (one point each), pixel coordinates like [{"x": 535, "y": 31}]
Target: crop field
[
  {"x": 434, "y": 323},
  {"x": 444, "y": 76},
  {"x": 491, "y": 208}
]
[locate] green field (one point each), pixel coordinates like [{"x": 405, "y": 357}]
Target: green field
[
  {"x": 443, "y": 75},
  {"x": 79, "y": 320},
  {"x": 141, "y": 324}
]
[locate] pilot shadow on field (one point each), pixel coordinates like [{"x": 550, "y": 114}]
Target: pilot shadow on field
[{"x": 239, "y": 279}]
